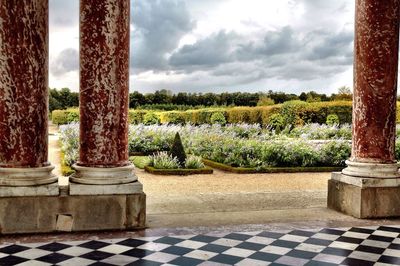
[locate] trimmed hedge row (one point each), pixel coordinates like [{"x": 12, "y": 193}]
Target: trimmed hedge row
[
  {"x": 241, "y": 170},
  {"x": 293, "y": 112},
  {"x": 62, "y": 117},
  {"x": 201, "y": 171}
]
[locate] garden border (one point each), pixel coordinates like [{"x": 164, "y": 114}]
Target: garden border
[
  {"x": 240, "y": 170},
  {"x": 201, "y": 171}
]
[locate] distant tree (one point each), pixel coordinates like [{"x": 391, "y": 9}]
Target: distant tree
[{"x": 344, "y": 94}]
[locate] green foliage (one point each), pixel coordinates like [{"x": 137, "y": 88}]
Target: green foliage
[
  {"x": 276, "y": 122},
  {"x": 332, "y": 119},
  {"x": 163, "y": 160},
  {"x": 173, "y": 117},
  {"x": 62, "y": 99},
  {"x": 218, "y": 118},
  {"x": 59, "y": 117},
  {"x": 136, "y": 116},
  {"x": 140, "y": 161},
  {"x": 194, "y": 162},
  {"x": 62, "y": 117},
  {"x": 178, "y": 151},
  {"x": 335, "y": 153},
  {"x": 151, "y": 118},
  {"x": 265, "y": 101}
]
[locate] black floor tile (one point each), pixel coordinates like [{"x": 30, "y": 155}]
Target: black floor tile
[
  {"x": 214, "y": 248},
  {"x": 12, "y": 249},
  {"x": 96, "y": 255},
  {"x": 132, "y": 242},
  {"x": 54, "y": 258},
  {"x": 186, "y": 261},
  {"x": 94, "y": 244},
  {"x": 226, "y": 259},
  {"x": 263, "y": 256},
  {"x": 204, "y": 239},
  {"x": 11, "y": 260}
]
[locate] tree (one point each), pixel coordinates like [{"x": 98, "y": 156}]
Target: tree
[{"x": 344, "y": 94}]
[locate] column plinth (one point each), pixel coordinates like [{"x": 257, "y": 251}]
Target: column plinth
[
  {"x": 369, "y": 187},
  {"x": 104, "y": 94},
  {"x": 24, "y": 93},
  {"x": 103, "y": 176}
]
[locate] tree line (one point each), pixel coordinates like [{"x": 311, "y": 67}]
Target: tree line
[{"x": 64, "y": 98}]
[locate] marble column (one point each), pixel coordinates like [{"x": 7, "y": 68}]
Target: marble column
[
  {"x": 375, "y": 89},
  {"x": 104, "y": 93},
  {"x": 370, "y": 185},
  {"x": 24, "y": 93}
]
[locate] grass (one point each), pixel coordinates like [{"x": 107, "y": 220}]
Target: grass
[
  {"x": 139, "y": 161},
  {"x": 65, "y": 169}
]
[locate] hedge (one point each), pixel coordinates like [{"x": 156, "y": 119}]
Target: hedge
[
  {"x": 201, "y": 171},
  {"x": 62, "y": 117},
  {"x": 241, "y": 170},
  {"x": 292, "y": 112}
]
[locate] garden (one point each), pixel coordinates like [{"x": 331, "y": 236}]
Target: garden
[{"x": 297, "y": 137}]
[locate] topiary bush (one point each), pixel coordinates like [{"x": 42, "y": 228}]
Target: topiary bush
[
  {"x": 151, "y": 118},
  {"x": 332, "y": 119},
  {"x": 218, "y": 118},
  {"x": 178, "y": 151},
  {"x": 136, "y": 116},
  {"x": 59, "y": 117}
]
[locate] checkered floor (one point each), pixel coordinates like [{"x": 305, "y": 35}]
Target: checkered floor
[{"x": 345, "y": 246}]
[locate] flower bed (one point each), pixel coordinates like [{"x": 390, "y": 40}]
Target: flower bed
[{"x": 238, "y": 146}]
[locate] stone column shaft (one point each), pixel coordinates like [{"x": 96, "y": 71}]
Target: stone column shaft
[
  {"x": 24, "y": 93},
  {"x": 375, "y": 88},
  {"x": 104, "y": 92}
]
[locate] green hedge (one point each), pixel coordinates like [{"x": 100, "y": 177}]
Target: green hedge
[
  {"x": 62, "y": 117},
  {"x": 201, "y": 171},
  {"x": 241, "y": 170},
  {"x": 292, "y": 113}
]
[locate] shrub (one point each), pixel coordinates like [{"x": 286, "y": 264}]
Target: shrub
[
  {"x": 332, "y": 119},
  {"x": 218, "y": 118},
  {"x": 173, "y": 117},
  {"x": 276, "y": 122},
  {"x": 136, "y": 116},
  {"x": 177, "y": 150},
  {"x": 72, "y": 115},
  {"x": 151, "y": 119},
  {"x": 163, "y": 160},
  {"x": 335, "y": 153},
  {"x": 194, "y": 162},
  {"x": 265, "y": 101},
  {"x": 59, "y": 117}
]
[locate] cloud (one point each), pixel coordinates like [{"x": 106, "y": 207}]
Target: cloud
[
  {"x": 211, "y": 51},
  {"x": 159, "y": 25},
  {"x": 66, "y": 61},
  {"x": 64, "y": 13}
]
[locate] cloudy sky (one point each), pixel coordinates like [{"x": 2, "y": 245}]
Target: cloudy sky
[{"x": 221, "y": 45}]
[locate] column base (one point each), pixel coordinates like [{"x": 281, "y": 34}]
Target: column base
[
  {"x": 103, "y": 176},
  {"x": 374, "y": 170},
  {"x": 25, "y": 177},
  {"x": 83, "y": 189},
  {"x": 364, "y": 197},
  {"x": 72, "y": 213}
]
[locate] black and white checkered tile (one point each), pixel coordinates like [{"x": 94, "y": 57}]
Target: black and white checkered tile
[{"x": 379, "y": 245}]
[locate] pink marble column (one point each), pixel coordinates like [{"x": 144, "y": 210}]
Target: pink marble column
[
  {"x": 104, "y": 92},
  {"x": 375, "y": 89},
  {"x": 24, "y": 93}
]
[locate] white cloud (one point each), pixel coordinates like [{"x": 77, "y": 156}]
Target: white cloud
[{"x": 252, "y": 45}]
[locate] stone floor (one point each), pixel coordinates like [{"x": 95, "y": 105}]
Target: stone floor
[{"x": 372, "y": 245}]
